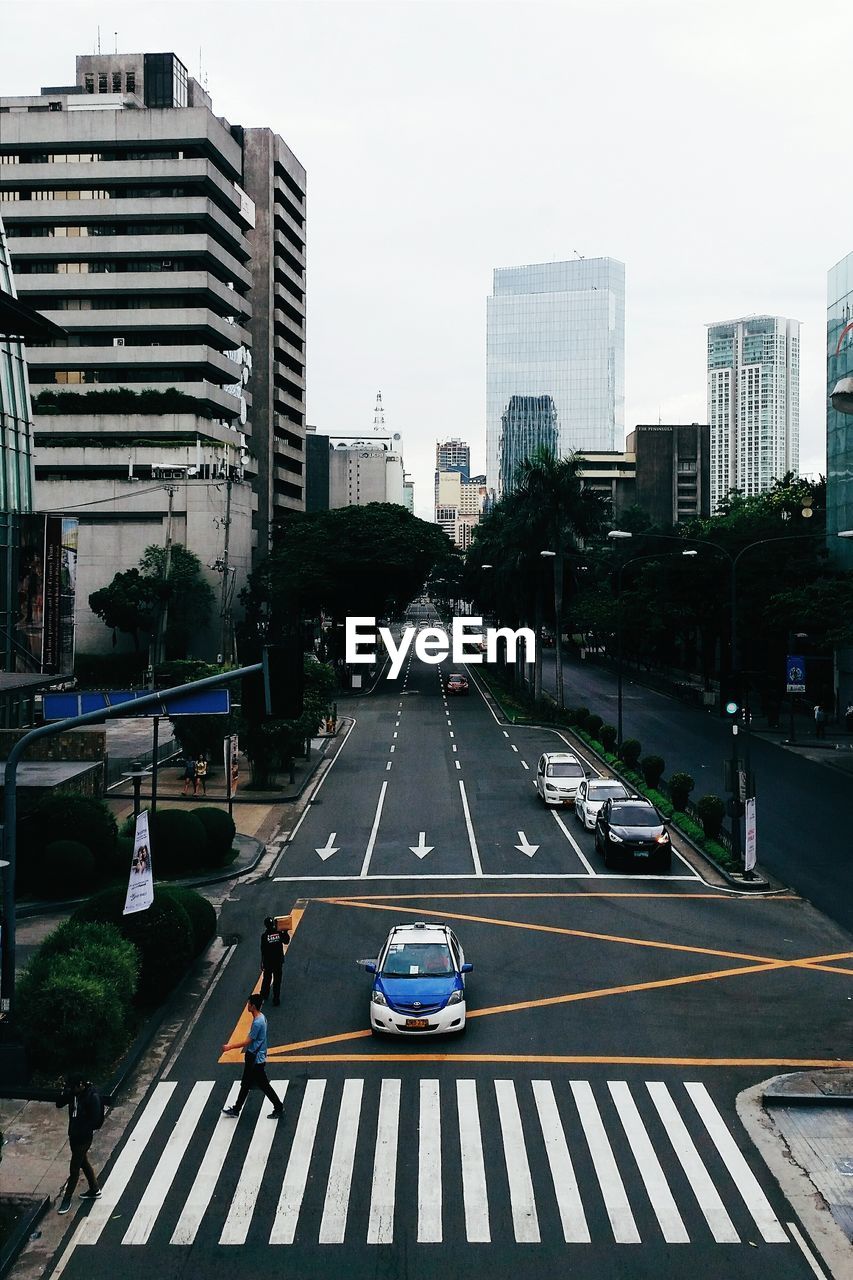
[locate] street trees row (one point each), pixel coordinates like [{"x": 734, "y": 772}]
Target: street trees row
[{"x": 674, "y": 608}]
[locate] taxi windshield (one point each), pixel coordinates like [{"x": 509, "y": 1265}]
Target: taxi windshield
[{"x": 417, "y": 959}]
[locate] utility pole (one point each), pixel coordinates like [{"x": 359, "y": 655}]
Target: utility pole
[
  {"x": 167, "y": 565},
  {"x": 225, "y": 602}
]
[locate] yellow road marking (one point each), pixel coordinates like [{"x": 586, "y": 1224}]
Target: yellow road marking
[
  {"x": 400, "y": 1059},
  {"x": 244, "y": 1022},
  {"x": 557, "y": 929},
  {"x": 574, "y": 997}
]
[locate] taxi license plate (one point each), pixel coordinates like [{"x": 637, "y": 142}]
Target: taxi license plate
[
  {"x": 641, "y": 853},
  {"x": 416, "y": 1022}
]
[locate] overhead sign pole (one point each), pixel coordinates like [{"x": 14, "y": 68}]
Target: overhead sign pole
[{"x": 10, "y": 798}]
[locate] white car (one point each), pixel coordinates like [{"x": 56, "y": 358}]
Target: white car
[
  {"x": 558, "y": 776},
  {"x": 591, "y": 795},
  {"x": 419, "y": 982}
]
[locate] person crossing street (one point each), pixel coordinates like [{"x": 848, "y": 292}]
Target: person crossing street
[
  {"x": 273, "y": 941},
  {"x": 255, "y": 1055}
]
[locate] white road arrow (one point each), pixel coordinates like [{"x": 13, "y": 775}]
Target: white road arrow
[
  {"x": 421, "y": 849},
  {"x": 327, "y": 849},
  {"x": 525, "y": 847}
]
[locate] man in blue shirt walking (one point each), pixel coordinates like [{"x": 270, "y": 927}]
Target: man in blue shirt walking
[{"x": 255, "y": 1056}]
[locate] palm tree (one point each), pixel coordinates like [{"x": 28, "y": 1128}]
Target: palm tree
[{"x": 554, "y": 512}]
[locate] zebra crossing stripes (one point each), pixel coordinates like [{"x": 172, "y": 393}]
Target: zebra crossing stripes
[{"x": 378, "y": 1161}]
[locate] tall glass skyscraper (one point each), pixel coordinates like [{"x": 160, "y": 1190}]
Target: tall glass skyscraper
[
  {"x": 557, "y": 329},
  {"x": 839, "y": 440},
  {"x": 753, "y": 403},
  {"x": 528, "y": 427}
]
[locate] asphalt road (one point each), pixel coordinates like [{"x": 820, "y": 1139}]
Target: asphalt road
[
  {"x": 584, "y": 1121},
  {"x": 802, "y": 807}
]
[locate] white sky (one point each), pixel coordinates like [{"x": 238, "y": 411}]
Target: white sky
[{"x": 705, "y": 144}]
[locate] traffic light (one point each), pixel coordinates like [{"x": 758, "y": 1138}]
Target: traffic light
[
  {"x": 731, "y": 697},
  {"x": 284, "y": 679}
]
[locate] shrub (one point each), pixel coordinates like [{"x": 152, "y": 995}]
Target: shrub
[
  {"x": 162, "y": 935},
  {"x": 652, "y": 767},
  {"x": 593, "y": 726},
  {"x": 70, "y": 1015},
  {"x": 607, "y": 736},
  {"x": 580, "y": 715},
  {"x": 79, "y": 984},
  {"x": 82, "y": 818},
  {"x": 680, "y": 786},
  {"x": 711, "y": 813},
  {"x": 659, "y": 801},
  {"x": 202, "y": 914},
  {"x": 122, "y": 858},
  {"x": 67, "y": 869},
  {"x": 220, "y": 829},
  {"x": 630, "y": 752},
  {"x": 178, "y": 842}
]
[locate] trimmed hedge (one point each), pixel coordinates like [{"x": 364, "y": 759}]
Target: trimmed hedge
[
  {"x": 607, "y": 735},
  {"x": 202, "y": 914},
  {"x": 593, "y": 725},
  {"x": 179, "y": 844},
  {"x": 74, "y": 817},
  {"x": 630, "y": 752},
  {"x": 712, "y": 810},
  {"x": 67, "y": 869},
  {"x": 75, "y": 997},
  {"x": 680, "y": 786},
  {"x": 220, "y": 831},
  {"x": 653, "y": 769},
  {"x": 163, "y": 936}
]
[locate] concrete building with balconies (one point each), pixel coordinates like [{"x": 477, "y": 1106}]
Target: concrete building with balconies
[{"x": 133, "y": 222}]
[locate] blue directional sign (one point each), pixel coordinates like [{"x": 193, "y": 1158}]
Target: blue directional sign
[
  {"x": 206, "y": 702},
  {"x": 795, "y": 673}
]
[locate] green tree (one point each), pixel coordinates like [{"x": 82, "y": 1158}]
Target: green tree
[
  {"x": 129, "y": 603},
  {"x": 135, "y": 599},
  {"x": 271, "y": 744}
]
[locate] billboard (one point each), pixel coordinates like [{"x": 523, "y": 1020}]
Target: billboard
[{"x": 47, "y": 581}]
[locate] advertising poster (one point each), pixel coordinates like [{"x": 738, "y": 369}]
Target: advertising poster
[
  {"x": 749, "y": 849},
  {"x": 47, "y": 580},
  {"x": 140, "y": 885}
]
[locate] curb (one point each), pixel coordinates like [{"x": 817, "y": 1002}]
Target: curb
[
  {"x": 807, "y": 1099},
  {"x": 22, "y": 1230},
  {"x": 29, "y": 910},
  {"x": 758, "y": 884}
]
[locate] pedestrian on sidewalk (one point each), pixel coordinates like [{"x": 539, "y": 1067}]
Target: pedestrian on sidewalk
[
  {"x": 189, "y": 774},
  {"x": 255, "y": 1055},
  {"x": 819, "y": 722},
  {"x": 85, "y": 1115},
  {"x": 200, "y": 776},
  {"x": 273, "y": 942}
]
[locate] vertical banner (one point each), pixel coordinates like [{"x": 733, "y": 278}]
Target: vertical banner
[
  {"x": 140, "y": 886},
  {"x": 232, "y": 766},
  {"x": 47, "y": 580},
  {"x": 749, "y": 847},
  {"x": 52, "y": 591}
]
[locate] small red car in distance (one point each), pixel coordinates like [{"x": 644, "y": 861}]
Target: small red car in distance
[{"x": 456, "y": 684}]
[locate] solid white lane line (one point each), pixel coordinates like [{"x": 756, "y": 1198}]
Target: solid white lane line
[
  {"x": 744, "y": 1179},
  {"x": 569, "y": 1203},
  {"x": 178, "y": 1046},
  {"x": 380, "y": 1226},
  {"x": 102, "y": 1210},
  {"x": 513, "y": 747},
  {"x": 525, "y": 765},
  {"x": 489, "y": 875},
  {"x": 707, "y": 1196},
  {"x": 307, "y": 808},
  {"x": 296, "y": 1173},
  {"x": 201, "y": 1192},
  {"x": 806, "y": 1251},
  {"x": 573, "y": 842},
  {"x": 474, "y": 1193},
  {"x": 606, "y": 1171},
  {"x": 242, "y": 1206},
  {"x": 160, "y": 1182},
  {"x": 660, "y": 1197},
  {"x": 368, "y": 853},
  {"x": 429, "y": 1164},
  {"x": 522, "y": 1202},
  {"x": 334, "y": 1222},
  {"x": 472, "y": 840}
]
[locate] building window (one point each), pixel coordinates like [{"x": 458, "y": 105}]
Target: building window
[
  {"x": 102, "y": 82},
  {"x": 130, "y": 82},
  {"x": 116, "y": 82},
  {"x": 89, "y": 82}
]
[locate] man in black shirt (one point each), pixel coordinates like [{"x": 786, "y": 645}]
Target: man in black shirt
[
  {"x": 273, "y": 942},
  {"x": 85, "y": 1115}
]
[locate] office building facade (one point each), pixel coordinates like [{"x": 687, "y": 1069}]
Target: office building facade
[
  {"x": 839, "y": 442},
  {"x": 364, "y": 471},
  {"x": 556, "y": 331},
  {"x": 170, "y": 402},
  {"x": 672, "y": 470},
  {"x": 529, "y": 427},
  {"x": 453, "y": 455},
  {"x": 753, "y": 403}
]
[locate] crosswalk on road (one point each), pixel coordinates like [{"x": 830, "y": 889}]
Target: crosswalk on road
[{"x": 433, "y": 1160}]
